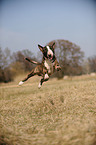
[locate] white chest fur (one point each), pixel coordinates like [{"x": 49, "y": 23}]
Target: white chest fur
[{"x": 47, "y": 65}]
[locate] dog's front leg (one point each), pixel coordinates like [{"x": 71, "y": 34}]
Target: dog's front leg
[{"x": 44, "y": 79}]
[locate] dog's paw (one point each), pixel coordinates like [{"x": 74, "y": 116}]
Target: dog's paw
[
  {"x": 21, "y": 83},
  {"x": 58, "y": 68},
  {"x": 39, "y": 86},
  {"x": 46, "y": 77}
]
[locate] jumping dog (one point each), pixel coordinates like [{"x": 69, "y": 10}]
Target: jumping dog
[{"x": 47, "y": 67}]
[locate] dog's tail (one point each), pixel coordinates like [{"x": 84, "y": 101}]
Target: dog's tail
[{"x": 34, "y": 62}]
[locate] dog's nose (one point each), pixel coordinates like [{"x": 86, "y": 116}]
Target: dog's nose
[{"x": 49, "y": 55}]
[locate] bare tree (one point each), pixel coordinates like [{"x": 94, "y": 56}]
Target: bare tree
[
  {"x": 4, "y": 58},
  {"x": 19, "y": 58},
  {"x": 5, "y": 72},
  {"x": 86, "y": 67},
  {"x": 92, "y": 63}
]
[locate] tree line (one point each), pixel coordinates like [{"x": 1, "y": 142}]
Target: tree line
[{"x": 69, "y": 55}]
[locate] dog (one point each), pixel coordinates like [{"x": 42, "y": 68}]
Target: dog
[{"x": 46, "y": 68}]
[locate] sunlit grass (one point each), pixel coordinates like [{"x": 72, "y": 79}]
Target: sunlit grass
[{"x": 62, "y": 112}]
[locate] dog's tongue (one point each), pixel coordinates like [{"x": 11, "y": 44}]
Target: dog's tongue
[{"x": 50, "y": 58}]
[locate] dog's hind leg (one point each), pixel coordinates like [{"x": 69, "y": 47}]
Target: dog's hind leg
[
  {"x": 28, "y": 76},
  {"x": 45, "y": 78}
]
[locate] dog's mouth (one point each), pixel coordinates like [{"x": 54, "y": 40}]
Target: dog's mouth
[{"x": 50, "y": 56}]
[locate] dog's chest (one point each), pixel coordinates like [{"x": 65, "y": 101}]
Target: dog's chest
[{"x": 48, "y": 65}]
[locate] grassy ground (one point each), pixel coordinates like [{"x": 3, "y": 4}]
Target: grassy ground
[{"x": 62, "y": 112}]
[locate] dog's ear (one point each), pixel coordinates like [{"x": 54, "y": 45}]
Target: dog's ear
[
  {"x": 53, "y": 45},
  {"x": 40, "y": 47}
]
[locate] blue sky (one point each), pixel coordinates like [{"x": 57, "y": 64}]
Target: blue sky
[{"x": 26, "y": 23}]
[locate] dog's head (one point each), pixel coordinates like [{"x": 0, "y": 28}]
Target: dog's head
[{"x": 48, "y": 51}]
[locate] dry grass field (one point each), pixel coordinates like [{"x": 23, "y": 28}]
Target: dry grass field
[{"x": 62, "y": 112}]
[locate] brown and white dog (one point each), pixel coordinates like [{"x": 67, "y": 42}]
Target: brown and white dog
[{"x": 46, "y": 68}]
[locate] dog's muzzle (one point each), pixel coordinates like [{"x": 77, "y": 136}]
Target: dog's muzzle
[{"x": 49, "y": 56}]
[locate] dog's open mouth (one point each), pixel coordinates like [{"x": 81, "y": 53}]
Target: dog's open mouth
[{"x": 50, "y": 56}]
